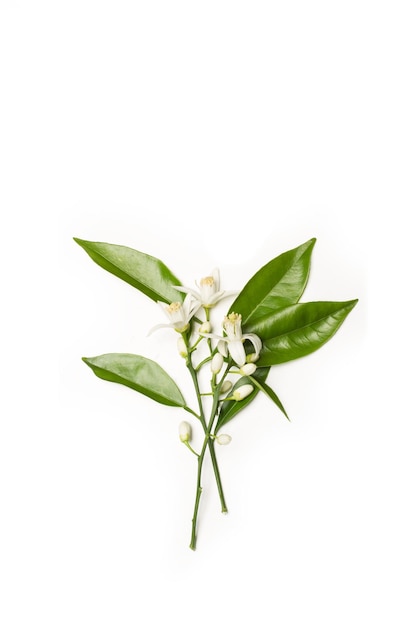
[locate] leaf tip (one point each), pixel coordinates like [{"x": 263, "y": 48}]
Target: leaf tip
[
  {"x": 81, "y": 242},
  {"x": 309, "y": 244}
]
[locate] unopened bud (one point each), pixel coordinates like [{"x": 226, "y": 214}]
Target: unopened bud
[
  {"x": 227, "y": 385},
  {"x": 184, "y": 431},
  {"x": 242, "y": 392},
  {"x": 217, "y": 363},
  {"x": 223, "y": 440},
  {"x": 248, "y": 369},
  {"x": 182, "y": 348},
  {"x": 205, "y": 328}
]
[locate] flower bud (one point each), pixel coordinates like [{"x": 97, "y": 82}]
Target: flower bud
[
  {"x": 248, "y": 369},
  {"x": 205, "y": 328},
  {"x": 182, "y": 348},
  {"x": 223, "y": 440},
  {"x": 227, "y": 385},
  {"x": 242, "y": 392},
  {"x": 217, "y": 363},
  {"x": 184, "y": 430}
]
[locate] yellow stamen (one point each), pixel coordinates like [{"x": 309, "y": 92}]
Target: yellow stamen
[
  {"x": 174, "y": 307},
  {"x": 233, "y": 317},
  {"x": 208, "y": 281}
]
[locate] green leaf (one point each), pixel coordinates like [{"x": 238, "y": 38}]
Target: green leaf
[
  {"x": 231, "y": 408},
  {"x": 140, "y": 270},
  {"x": 298, "y": 330},
  {"x": 277, "y": 284},
  {"x": 272, "y": 395},
  {"x": 138, "y": 373}
]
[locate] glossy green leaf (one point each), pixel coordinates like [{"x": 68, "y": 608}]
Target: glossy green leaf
[
  {"x": 279, "y": 283},
  {"x": 298, "y": 330},
  {"x": 145, "y": 272},
  {"x": 272, "y": 395},
  {"x": 138, "y": 373},
  {"x": 231, "y": 408}
]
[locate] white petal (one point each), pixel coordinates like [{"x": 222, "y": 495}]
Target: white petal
[
  {"x": 187, "y": 290},
  {"x": 216, "y": 275},
  {"x": 215, "y": 297},
  {"x": 189, "y": 306},
  {"x": 237, "y": 352},
  {"x": 158, "y": 326},
  {"x": 211, "y": 335},
  {"x": 222, "y": 347},
  {"x": 164, "y": 307},
  {"x": 255, "y": 341}
]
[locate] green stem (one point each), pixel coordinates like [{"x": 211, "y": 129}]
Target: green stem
[
  {"x": 186, "y": 443},
  {"x": 187, "y": 408},
  {"x": 207, "y": 430},
  {"x": 207, "y": 441},
  {"x": 217, "y": 475},
  {"x": 199, "y": 491},
  {"x": 216, "y": 393}
]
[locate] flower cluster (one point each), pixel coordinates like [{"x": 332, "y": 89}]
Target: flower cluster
[
  {"x": 230, "y": 349},
  {"x": 180, "y": 315}
]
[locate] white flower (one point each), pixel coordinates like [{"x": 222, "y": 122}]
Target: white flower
[
  {"x": 242, "y": 392},
  {"x": 184, "y": 431},
  {"x": 209, "y": 290},
  {"x": 233, "y": 342},
  {"x": 179, "y": 314},
  {"x": 223, "y": 440},
  {"x": 217, "y": 363}
]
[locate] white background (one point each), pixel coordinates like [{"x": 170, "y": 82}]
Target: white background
[{"x": 206, "y": 133}]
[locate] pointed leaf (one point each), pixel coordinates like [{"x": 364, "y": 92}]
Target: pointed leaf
[
  {"x": 231, "y": 408},
  {"x": 145, "y": 272},
  {"x": 277, "y": 284},
  {"x": 298, "y": 330},
  {"x": 272, "y": 395},
  {"x": 138, "y": 373}
]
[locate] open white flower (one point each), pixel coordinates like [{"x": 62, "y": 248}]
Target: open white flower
[
  {"x": 209, "y": 290},
  {"x": 233, "y": 342},
  {"x": 179, "y": 314}
]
